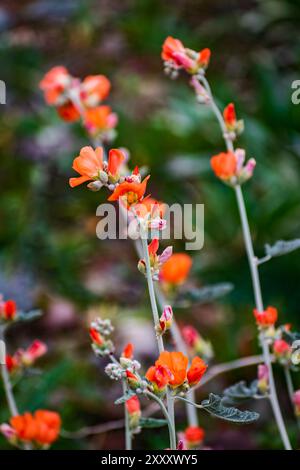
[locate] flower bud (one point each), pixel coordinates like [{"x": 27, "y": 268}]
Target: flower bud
[
  {"x": 95, "y": 186},
  {"x": 165, "y": 321},
  {"x": 263, "y": 378},
  {"x": 133, "y": 380},
  {"x": 296, "y": 400}
]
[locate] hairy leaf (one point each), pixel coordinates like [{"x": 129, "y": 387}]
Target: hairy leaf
[
  {"x": 204, "y": 294},
  {"x": 28, "y": 316},
  {"x": 282, "y": 247},
  {"x": 152, "y": 423},
  {"x": 214, "y": 406},
  {"x": 240, "y": 391}
]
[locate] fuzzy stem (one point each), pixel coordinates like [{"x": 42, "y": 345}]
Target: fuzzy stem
[
  {"x": 168, "y": 417},
  {"x": 6, "y": 380},
  {"x": 254, "y": 274},
  {"x": 170, "y": 401},
  {"x": 128, "y": 437}
]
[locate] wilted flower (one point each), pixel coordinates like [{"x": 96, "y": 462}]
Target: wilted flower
[
  {"x": 165, "y": 321},
  {"x": 266, "y": 318},
  {"x": 263, "y": 378},
  {"x": 296, "y": 400},
  {"x": 230, "y": 167},
  {"x": 176, "y": 269}
]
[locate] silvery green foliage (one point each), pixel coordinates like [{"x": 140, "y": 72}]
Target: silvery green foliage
[
  {"x": 204, "y": 294},
  {"x": 215, "y": 407},
  {"x": 128, "y": 394},
  {"x": 282, "y": 247},
  {"x": 28, "y": 316},
  {"x": 240, "y": 392},
  {"x": 152, "y": 423}
]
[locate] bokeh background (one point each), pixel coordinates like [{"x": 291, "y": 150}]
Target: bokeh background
[{"x": 49, "y": 254}]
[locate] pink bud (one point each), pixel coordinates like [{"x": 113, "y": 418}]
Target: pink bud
[
  {"x": 167, "y": 314},
  {"x": 166, "y": 254},
  {"x": 183, "y": 60},
  {"x": 249, "y": 167},
  {"x": 296, "y": 398},
  {"x": 240, "y": 157},
  {"x": 262, "y": 372},
  {"x": 7, "y": 431}
]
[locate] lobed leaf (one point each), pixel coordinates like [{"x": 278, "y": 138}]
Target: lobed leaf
[
  {"x": 282, "y": 247},
  {"x": 214, "y": 406}
]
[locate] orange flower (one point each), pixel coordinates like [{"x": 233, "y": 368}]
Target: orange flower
[
  {"x": 87, "y": 164},
  {"x": 172, "y": 46},
  {"x": 128, "y": 351},
  {"x": 176, "y": 269},
  {"x": 96, "y": 337},
  {"x": 266, "y": 318},
  {"x": 204, "y": 57},
  {"x": 11, "y": 363},
  {"x": 100, "y": 119},
  {"x": 133, "y": 405},
  {"x": 68, "y": 112},
  {"x": 130, "y": 193},
  {"x": 10, "y": 310},
  {"x": 115, "y": 159},
  {"x": 196, "y": 371},
  {"x": 43, "y": 427},
  {"x": 132, "y": 379},
  {"x": 94, "y": 89},
  {"x": 224, "y": 165},
  {"x": 159, "y": 376},
  {"x": 54, "y": 84},
  {"x": 194, "y": 435},
  {"x": 177, "y": 364},
  {"x": 229, "y": 115}
]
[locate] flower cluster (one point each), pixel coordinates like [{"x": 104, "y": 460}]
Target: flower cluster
[
  {"x": 24, "y": 358},
  {"x": 100, "y": 331},
  {"x": 171, "y": 369},
  {"x": 40, "y": 429},
  {"x": 75, "y": 99},
  {"x": 176, "y": 57},
  {"x": 230, "y": 167},
  {"x": 196, "y": 344}
]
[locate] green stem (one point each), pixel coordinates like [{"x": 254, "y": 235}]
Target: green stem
[
  {"x": 6, "y": 379},
  {"x": 128, "y": 437},
  {"x": 254, "y": 274},
  {"x": 170, "y": 402},
  {"x": 172, "y": 433}
]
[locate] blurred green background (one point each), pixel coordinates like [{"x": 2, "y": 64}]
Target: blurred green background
[{"x": 50, "y": 257}]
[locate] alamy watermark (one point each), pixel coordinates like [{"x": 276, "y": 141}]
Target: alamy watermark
[
  {"x": 178, "y": 223},
  {"x": 296, "y": 94}
]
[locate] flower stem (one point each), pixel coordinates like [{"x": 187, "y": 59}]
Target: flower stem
[
  {"x": 160, "y": 344},
  {"x": 5, "y": 377},
  {"x": 290, "y": 387},
  {"x": 171, "y": 428},
  {"x": 254, "y": 274},
  {"x": 128, "y": 437}
]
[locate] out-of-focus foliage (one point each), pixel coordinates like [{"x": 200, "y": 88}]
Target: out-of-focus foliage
[{"x": 50, "y": 256}]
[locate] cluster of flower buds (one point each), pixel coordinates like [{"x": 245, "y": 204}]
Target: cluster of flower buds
[
  {"x": 296, "y": 400},
  {"x": 133, "y": 408},
  {"x": 196, "y": 343},
  {"x": 8, "y": 310},
  {"x": 171, "y": 369},
  {"x": 176, "y": 57},
  {"x": 231, "y": 168},
  {"x": 165, "y": 321},
  {"x": 100, "y": 330},
  {"x": 127, "y": 360},
  {"x": 40, "y": 429},
  {"x": 263, "y": 379},
  {"x": 233, "y": 125},
  {"x": 75, "y": 99},
  {"x": 192, "y": 437},
  {"x": 156, "y": 261},
  {"x": 24, "y": 358}
]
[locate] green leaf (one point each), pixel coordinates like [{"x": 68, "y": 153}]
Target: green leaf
[
  {"x": 282, "y": 247},
  {"x": 152, "y": 423},
  {"x": 204, "y": 294},
  {"x": 240, "y": 391},
  {"x": 128, "y": 394},
  {"x": 214, "y": 406}
]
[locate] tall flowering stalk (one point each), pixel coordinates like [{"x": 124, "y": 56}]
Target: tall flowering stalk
[{"x": 230, "y": 167}]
